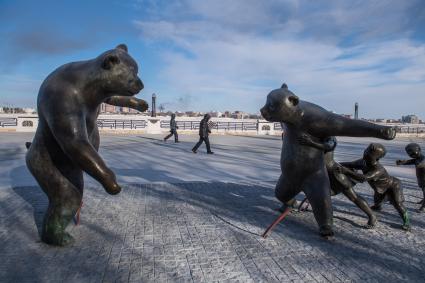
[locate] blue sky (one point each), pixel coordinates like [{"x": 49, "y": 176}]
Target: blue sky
[{"x": 227, "y": 55}]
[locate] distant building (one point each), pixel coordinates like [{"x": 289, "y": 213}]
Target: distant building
[
  {"x": 1, "y": 110},
  {"x": 127, "y": 110},
  {"x": 349, "y": 116},
  {"x": 216, "y": 114},
  {"x": 29, "y": 110},
  {"x": 107, "y": 108},
  {"x": 226, "y": 114},
  {"x": 411, "y": 119},
  {"x": 193, "y": 114},
  {"x": 254, "y": 116},
  {"x": 239, "y": 115}
]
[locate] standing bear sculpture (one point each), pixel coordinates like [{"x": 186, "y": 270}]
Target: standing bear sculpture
[
  {"x": 303, "y": 167},
  {"x": 67, "y": 138}
]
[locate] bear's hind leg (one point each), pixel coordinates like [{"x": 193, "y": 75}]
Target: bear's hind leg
[
  {"x": 56, "y": 219},
  {"x": 64, "y": 197},
  {"x": 317, "y": 191},
  {"x": 287, "y": 189}
]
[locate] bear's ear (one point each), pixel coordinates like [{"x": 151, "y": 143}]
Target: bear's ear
[
  {"x": 109, "y": 61},
  {"x": 294, "y": 99},
  {"x": 284, "y": 86},
  {"x": 122, "y": 47}
]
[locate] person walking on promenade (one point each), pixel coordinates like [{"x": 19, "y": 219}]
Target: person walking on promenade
[
  {"x": 173, "y": 129},
  {"x": 204, "y": 132}
]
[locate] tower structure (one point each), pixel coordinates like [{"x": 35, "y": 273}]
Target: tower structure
[
  {"x": 153, "y": 105},
  {"x": 356, "y": 111}
]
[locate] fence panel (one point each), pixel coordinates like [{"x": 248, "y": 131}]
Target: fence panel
[
  {"x": 121, "y": 124},
  {"x": 8, "y": 122},
  {"x": 410, "y": 130}
]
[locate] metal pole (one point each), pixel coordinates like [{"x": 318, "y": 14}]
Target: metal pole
[{"x": 153, "y": 114}]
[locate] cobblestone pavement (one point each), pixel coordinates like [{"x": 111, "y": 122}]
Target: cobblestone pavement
[{"x": 195, "y": 232}]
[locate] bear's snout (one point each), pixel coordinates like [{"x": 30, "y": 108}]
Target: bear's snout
[
  {"x": 136, "y": 85},
  {"x": 265, "y": 113},
  {"x": 140, "y": 84}
]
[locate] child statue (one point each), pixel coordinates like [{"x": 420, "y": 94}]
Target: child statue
[{"x": 418, "y": 159}]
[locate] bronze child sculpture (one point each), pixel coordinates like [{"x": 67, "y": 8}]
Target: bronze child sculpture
[
  {"x": 384, "y": 185},
  {"x": 67, "y": 138},
  {"x": 340, "y": 183},
  {"x": 303, "y": 167},
  {"x": 418, "y": 159}
]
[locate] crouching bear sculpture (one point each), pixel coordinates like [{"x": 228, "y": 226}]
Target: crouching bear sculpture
[
  {"x": 67, "y": 138},
  {"x": 303, "y": 167}
]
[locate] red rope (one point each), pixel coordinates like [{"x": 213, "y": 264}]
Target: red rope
[
  {"x": 77, "y": 215},
  {"x": 280, "y": 218}
]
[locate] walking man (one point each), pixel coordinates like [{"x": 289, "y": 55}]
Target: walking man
[
  {"x": 204, "y": 131},
  {"x": 173, "y": 129}
]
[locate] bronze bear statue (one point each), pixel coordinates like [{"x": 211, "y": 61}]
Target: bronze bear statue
[
  {"x": 67, "y": 138},
  {"x": 303, "y": 166}
]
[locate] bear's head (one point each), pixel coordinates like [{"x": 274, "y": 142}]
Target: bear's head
[
  {"x": 119, "y": 72},
  {"x": 281, "y": 106}
]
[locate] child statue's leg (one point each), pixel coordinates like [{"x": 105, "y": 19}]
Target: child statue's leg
[
  {"x": 396, "y": 197},
  {"x": 378, "y": 199},
  {"x": 422, "y": 208},
  {"x": 362, "y": 204}
]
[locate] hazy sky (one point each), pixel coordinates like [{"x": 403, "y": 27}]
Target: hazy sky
[{"x": 227, "y": 55}]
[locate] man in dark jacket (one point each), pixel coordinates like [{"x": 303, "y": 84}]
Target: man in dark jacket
[
  {"x": 173, "y": 129},
  {"x": 204, "y": 131}
]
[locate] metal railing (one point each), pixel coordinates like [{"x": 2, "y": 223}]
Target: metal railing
[
  {"x": 183, "y": 125},
  {"x": 8, "y": 122},
  {"x": 228, "y": 126},
  {"x": 121, "y": 124},
  {"x": 410, "y": 130},
  {"x": 277, "y": 126}
]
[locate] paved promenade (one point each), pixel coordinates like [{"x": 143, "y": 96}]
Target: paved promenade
[{"x": 198, "y": 218}]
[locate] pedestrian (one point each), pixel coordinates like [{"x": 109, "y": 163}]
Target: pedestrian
[
  {"x": 204, "y": 132},
  {"x": 173, "y": 129}
]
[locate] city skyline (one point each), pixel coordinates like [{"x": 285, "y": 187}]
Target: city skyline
[
  {"x": 220, "y": 55},
  {"x": 111, "y": 109}
]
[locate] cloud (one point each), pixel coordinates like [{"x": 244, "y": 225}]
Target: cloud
[
  {"x": 233, "y": 53},
  {"x": 322, "y": 20},
  {"x": 40, "y": 43},
  {"x": 47, "y": 41},
  {"x": 53, "y": 28}
]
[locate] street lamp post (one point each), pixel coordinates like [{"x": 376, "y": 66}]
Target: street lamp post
[{"x": 153, "y": 105}]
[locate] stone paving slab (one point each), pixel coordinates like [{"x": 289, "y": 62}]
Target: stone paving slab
[{"x": 206, "y": 232}]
